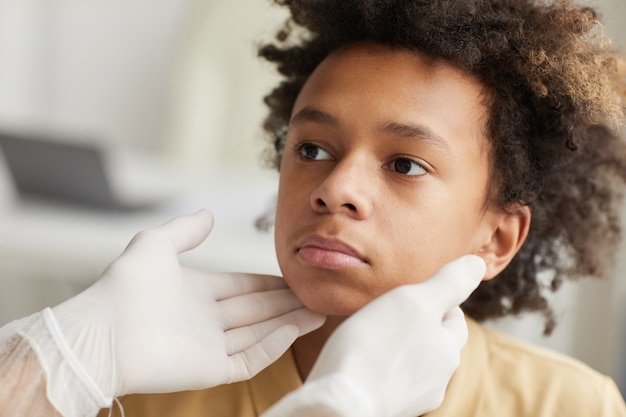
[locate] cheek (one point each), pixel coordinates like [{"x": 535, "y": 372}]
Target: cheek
[
  {"x": 408, "y": 266},
  {"x": 290, "y": 210},
  {"x": 415, "y": 250},
  {"x": 281, "y": 225}
]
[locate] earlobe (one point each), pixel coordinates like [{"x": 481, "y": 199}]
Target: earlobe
[{"x": 510, "y": 232}]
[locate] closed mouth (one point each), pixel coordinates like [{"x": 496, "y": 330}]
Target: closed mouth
[{"x": 329, "y": 252}]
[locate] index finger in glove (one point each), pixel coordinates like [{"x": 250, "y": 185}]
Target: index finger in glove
[
  {"x": 455, "y": 281},
  {"x": 230, "y": 284},
  {"x": 242, "y": 338},
  {"x": 253, "y": 308}
]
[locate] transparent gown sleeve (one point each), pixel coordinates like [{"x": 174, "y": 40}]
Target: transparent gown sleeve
[{"x": 39, "y": 375}]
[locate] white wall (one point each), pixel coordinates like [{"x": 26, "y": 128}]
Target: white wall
[
  {"x": 175, "y": 76},
  {"x": 218, "y": 89},
  {"x": 98, "y": 68}
]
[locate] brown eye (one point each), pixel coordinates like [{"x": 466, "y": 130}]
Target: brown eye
[
  {"x": 407, "y": 166},
  {"x": 313, "y": 152}
]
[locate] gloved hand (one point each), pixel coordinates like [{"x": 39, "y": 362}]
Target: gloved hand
[
  {"x": 149, "y": 325},
  {"x": 395, "y": 356}
]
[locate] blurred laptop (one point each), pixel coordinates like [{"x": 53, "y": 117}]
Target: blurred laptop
[{"x": 76, "y": 173}]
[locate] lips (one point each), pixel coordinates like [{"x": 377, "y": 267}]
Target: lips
[{"x": 329, "y": 253}]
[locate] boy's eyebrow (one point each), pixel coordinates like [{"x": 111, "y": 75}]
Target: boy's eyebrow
[
  {"x": 415, "y": 131},
  {"x": 405, "y": 130},
  {"x": 311, "y": 114}
]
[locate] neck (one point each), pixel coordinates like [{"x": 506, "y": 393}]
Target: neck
[{"x": 307, "y": 348}]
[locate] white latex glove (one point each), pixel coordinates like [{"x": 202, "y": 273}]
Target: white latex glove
[
  {"x": 395, "y": 356},
  {"x": 149, "y": 325}
]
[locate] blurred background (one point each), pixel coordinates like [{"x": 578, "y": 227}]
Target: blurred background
[{"x": 162, "y": 100}]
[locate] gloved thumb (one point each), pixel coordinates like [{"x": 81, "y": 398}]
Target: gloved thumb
[
  {"x": 455, "y": 281},
  {"x": 184, "y": 233}
]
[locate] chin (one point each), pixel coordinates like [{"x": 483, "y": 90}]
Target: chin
[
  {"x": 331, "y": 303},
  {"x": 333, "y": 293}
]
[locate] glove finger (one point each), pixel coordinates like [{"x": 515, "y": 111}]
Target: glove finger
[
  {"x": 226, "y": 285},
  {"x": 455, "y": 281},
  {"x": 454, "y": 322},
  {"x": 256, "y": 307},
  {"x": 251, "y": 361},
  {"x": 187, "y": 232},
  {"x": 242, "y": 338}
]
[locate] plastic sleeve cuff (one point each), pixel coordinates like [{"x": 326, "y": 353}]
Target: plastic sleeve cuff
[{"x": 69, "y": 387}]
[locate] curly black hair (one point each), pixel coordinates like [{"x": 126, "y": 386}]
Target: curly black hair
[{"x": 556, "y": 107}]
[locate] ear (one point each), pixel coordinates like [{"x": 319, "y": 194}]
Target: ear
[{"x": 508, "y": 235}]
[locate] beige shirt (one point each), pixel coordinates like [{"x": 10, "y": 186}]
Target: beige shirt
[{"x": 499, "y": 376}]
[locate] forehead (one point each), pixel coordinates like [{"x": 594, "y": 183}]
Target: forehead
[
  {"x": 370, "y": 84},
  {"x": 378, "y": 67}
]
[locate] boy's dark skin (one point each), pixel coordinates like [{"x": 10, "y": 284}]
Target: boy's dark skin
[{"x": 385, "y": 179}]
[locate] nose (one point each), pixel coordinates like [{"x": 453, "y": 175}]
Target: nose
[{"x": 347, "y": 189}]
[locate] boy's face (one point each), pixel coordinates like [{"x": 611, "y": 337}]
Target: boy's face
[{"x": 383, "y": 178}]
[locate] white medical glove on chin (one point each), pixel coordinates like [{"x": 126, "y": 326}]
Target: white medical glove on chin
[
  {"x": 149, "y": 325},
  {"x": 395, "y": 356}
]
